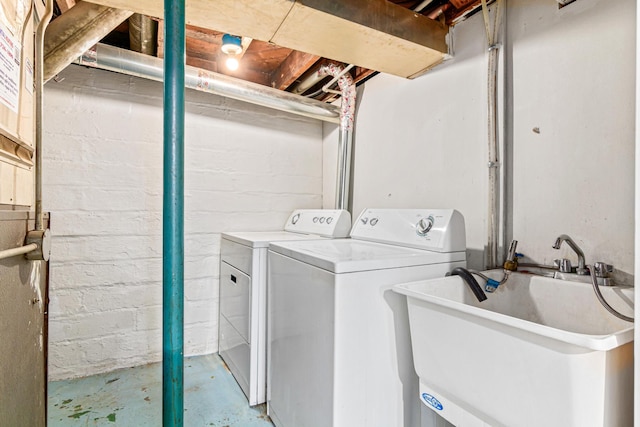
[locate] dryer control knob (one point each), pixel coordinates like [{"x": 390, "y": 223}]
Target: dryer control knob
[
  {"x": 424, "y": 225},
  {"x": 295, "y": 218},
  {"x": 329, "y": 220},
  {"x": 315, "y": 219},
  {"x": 321, "y": 220},
  {"x": 373, "y": 221}
]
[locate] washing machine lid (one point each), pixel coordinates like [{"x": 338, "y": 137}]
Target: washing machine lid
[
  {"x": 303, "y": 224},
  {"x": 350, "y": 255},
  {"x": 261, "y": 239}
]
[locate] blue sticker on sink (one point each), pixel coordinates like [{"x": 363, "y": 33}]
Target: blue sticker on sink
[{"x": 431, "y": 400}]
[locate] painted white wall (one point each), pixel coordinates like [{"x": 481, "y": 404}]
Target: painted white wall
[
  {"x": 573, "y": 78},
  {"x": 246, "y": 168},
  {"x": 571, "y": 73}
]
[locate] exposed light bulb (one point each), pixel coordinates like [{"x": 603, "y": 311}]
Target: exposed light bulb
[{"x": 232, "y": 63}]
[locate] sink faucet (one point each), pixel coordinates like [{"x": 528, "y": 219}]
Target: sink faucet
[{"x": 581, "y": 270}]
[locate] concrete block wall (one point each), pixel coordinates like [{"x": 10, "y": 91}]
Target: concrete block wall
[{"x": 246, "y": 168}]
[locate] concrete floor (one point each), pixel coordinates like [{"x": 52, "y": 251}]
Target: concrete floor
[{"x": 133, "y": 397}]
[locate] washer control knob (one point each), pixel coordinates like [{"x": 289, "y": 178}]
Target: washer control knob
[
  {"x": 315, "y": 219},
  {"x": 321, "y": 220},
  {"x": 373, "y": 221},
  {"x": 424, "y": 225},
  {"x": 295, "y": 218},
  {"x": 329, "y": 220},
  {"x": 364, "y": 220}
]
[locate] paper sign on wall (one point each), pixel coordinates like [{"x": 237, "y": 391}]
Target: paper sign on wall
[{"x": 9, "y": 69}]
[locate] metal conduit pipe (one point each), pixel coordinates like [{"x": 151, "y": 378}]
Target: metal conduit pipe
[
  {"x": 39, "y": 236},
  {"x": 39, "y": 89},
  {"x": 136, "y": 64},
  {"x": 494, "y": 228},
  {"x": 8, "y": 253},
  {"x": 347, "y": 117},
  {"x": 173, "y": 216},
  {"x": 71, "y": 34}
]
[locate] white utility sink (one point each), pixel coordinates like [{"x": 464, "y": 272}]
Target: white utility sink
[{"x": 538, "y": 352}]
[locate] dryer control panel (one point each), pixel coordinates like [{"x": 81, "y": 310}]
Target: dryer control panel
[
  {"x": 334, "y": 223},
  {"x": 440, "y": 230}
]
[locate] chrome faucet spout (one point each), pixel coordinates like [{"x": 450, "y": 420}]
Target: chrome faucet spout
[{"x": 581, "y": 269}]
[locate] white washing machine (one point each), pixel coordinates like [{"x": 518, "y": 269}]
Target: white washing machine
[
  {"x": 339, "y": 349},
  {"x": 243, "y": 280}
]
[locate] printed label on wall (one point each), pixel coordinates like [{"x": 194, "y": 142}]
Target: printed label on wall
[{"x": 9, "y": 69}]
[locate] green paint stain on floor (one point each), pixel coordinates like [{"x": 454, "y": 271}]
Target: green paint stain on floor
[
  {"x": 135, "y": 399},
  {"x": 78, "y": 414}
]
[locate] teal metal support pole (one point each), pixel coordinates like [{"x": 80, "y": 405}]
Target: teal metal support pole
[{"x": 173, "y": 217}]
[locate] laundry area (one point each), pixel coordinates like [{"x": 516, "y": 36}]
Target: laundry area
[{"x": 318, "y": 213}]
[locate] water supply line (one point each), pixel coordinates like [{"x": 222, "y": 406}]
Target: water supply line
[
  {"x": 494, "y": 193},
  {"x": 345, "y": 141},
  {"x": 124, "y": 61},
  {"x": 605, "y": 304},
  {"x": 173, "y": 216}
]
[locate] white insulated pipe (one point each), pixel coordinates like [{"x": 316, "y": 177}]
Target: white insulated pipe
[
  {"x": 347, "y": 117},
  {"x": 136, "y": 64}
]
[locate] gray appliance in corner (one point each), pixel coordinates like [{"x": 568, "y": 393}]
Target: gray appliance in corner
[
  {"x": 243, "y": 287},
  {"x": 23, "y": 311}
]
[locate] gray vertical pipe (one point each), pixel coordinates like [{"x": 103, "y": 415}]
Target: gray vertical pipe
[{"x": 344, "y": 168}]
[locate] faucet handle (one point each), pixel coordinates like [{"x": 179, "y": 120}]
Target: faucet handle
[
  {"x": 602, "y": 269},
  {"x": 564, "y": 265}
]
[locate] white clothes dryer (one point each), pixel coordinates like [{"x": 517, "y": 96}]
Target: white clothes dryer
[
  {"x": 339, "y": 348},
  {"x": 243, "y": 281}
]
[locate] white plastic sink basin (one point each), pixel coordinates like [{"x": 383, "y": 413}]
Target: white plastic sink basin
[{"x": 538, "y": 352}]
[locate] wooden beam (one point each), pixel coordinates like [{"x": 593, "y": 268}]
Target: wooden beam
[
  {"x": 291, "y": 69},
  {"x": 242, "y": 17},
  {"x": 65, "y": 5},
  {"x": 203, "y": 34}
]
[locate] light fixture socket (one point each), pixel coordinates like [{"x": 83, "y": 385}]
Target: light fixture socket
[{"x": 231, "y": 45}]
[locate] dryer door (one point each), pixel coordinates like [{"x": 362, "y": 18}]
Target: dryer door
[{"x": 235, "y": 299}]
